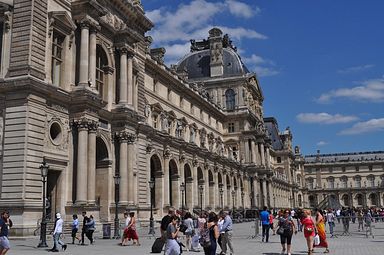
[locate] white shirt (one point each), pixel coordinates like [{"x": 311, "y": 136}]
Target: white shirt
[
  {"x": 127, "y": 221},
  {"x": 220, "y": 225},
  {"x": 59, "y": 226}
]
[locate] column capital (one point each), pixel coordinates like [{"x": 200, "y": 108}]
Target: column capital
[
  {"x": 126, "y": 137},
  {"x": 167, "y": 152},
  {"x": 83, "y": 123},
  {"x": 87, "y": 22},
  {"x": 93, "y": 126},
  {"x": 195, "y": 161}
]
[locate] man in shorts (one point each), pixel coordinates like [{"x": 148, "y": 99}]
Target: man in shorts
[{"x": 4, "y": 242}]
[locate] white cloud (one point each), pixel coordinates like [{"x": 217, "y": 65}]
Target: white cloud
[
  {"x": 372, "y": 125},
  {"x": 254, "y": 60},
  {"x": 265, "y": 71},
  {"x": 355, "y": 69},
  {"x": 322, "y": 143},
  {"x": 194, "y": 20},
  {"x": 324, "y": 118},
  {"x": 240, "y": 9},
  {"x": 370, "y": 90}
]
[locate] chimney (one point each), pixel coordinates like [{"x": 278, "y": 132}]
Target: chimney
[{"x": 216, "y": 50}]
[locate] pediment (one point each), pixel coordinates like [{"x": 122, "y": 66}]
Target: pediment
[{"x": 62, "y": 21}]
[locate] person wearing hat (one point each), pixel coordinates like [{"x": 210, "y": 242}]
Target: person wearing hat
[{"x": 56, "y": 234}]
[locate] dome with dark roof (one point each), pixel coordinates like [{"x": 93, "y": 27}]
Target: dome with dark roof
[{"x": 198, "y": 62}]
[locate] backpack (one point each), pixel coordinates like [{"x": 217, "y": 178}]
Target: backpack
[{"x": 205, "y": 239}]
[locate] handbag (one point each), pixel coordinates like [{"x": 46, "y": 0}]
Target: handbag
[
  {"x": 316, "y": 240},
  {"x": 280, "y": 231}
]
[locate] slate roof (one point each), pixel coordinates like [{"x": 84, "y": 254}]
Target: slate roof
[{"x": 346, "y": 157}]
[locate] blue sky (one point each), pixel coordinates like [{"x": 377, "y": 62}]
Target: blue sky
[{"x": 320, "y": 63}]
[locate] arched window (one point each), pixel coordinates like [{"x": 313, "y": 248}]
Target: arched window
[
  {"x": 230, "y": 99},
  {"x": 101, "y": 63}
]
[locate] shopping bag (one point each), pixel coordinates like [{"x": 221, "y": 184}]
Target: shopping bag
[{"x": 316, "y": 240}]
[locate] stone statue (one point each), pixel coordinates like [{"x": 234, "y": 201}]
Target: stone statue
[
  {"x": 179, "y": 128},
  {"x": 192, "y": 135},
  {"x": 164, "y": 122},
  {"x": 147, "y": 111}
]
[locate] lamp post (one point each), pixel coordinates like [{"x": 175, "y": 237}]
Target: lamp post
[
  {"x": 233, "y": 203},
  {"x": 151, "y": 222},
  {"x": 116, "y": 178},
  {"x": 43, "y": 226},
  {"x": 201, "y": 190},
  {"x": 182, "y": 189},
  {"x": 221, "y": 191}
]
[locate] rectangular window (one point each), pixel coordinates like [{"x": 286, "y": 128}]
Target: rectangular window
[
  {"x": 278, "y": 159},
  {"x": 1, "y": 43},
  {"x": 57, "y": 60},
  {"x": 231, "y": 127}
]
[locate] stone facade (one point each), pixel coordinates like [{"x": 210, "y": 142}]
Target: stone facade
[
  {"x": 81, "y": 87},
  {"x": 347, "y": 179}
]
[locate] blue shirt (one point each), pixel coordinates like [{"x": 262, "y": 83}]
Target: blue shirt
[
  {"x": 264, "y": 217},
  {"x": 227, "y": 225},
  {"x": 4, "y": 228},
  {"x": 75, "y": 224}
]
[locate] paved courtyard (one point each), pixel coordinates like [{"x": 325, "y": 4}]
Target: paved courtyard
[{"x": 357, "y": 243}]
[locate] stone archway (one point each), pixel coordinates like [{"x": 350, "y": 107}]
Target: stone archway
[
  {"x": 103, "y": 185},
  {"x": 155, "y": 175},
  {"x": 173, "y": 183}
]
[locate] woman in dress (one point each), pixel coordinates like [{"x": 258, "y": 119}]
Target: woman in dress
[
  {"x": 125, "y": 233},
  {"x": 190, "y": 230},
  {"x": 286, "y": 222},
  {"x": 172, "y": 246},
  {"x": 213, "y": 233},
  {"x": 131, "y": 232},
  {"x": 309, "y": 230},
  {"x": 320, "y": 226}
]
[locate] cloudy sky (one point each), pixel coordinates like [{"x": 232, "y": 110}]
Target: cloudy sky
[{"x": 320, "y": 63}]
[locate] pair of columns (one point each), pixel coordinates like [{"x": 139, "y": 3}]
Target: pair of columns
[
  {"x": 87, "y": 74},
  {"x": 127, "y": 152},
  {"x": 256, "y": 153},
  {"x": 86, "y": 162}
]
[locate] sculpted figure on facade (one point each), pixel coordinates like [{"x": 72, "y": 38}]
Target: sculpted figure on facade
[
  {"x": 164, "y": 122},
  {"x": 179, "y": 128},
  {"x": 147, "y": 111},
  {"x": 192, "y": 133}
]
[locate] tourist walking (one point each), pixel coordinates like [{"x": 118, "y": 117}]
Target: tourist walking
[
  {"x": 309, "y": 230},
  {"x": 288, "y": 227},
  {"x": 165, "y": 223},
  {"x": 5, "y": 224},
  {"x": 188, "y": 221},
  {"x": 331, "y": 221},
  {"x": 125, "y": 240},
  {"x": 360, "y": 220},
  {"x": 264, "y": 217},
  {"x": 84, "y": 228},
  {"x": 57, "y": 233},
  {"x": 90, "y": 228},
  {"x": 345, "y": 218},
  {"x": 320, "y": 226},
  {"x": 172, "y": 231},
  {"x": 271, "y": 222},
  {"x": 131, "y": 229},
  {"x": 213, "y": 234},
  {"x": 75, "y": 228},
  {"x": 228, "y": 233},
  {"x": 368, "y": 219},
  {"x": 220, "y": 223}
]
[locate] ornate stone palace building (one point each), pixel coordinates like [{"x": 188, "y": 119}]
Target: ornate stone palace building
[
  {"x": 81, "y": 88},
  {"x": 347, "y": 179}
]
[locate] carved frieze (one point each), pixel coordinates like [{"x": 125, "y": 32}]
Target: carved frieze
[{"x": 113, "y": 21}]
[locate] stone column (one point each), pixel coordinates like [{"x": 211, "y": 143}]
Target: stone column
[
  {"x": 123, "y": 77},
  {"x": 92, "y": 163},
  {"x": 166, "y": 154},
  {"x": 135, "y": 92},
  {"x": 256, "y": 192},
  {"x": 82, "y": 161},
  {"x": 130, "y": 161},
  {"x": 130, "y": 79},
  {"x": 216, "y": 194},
  {"x": 123, "y": 168},
  {"x": 262, "y": 154},
  {"x": 176, "y": 191},
  {"x": 254, "y": 158},
  {"x": 268, "y": 158},
  {"x": 92, "y": 58},
  {"x": 265, "y": 201},
  {"x": 246, "y": 151},
  {"x": 258, "y": 158},
  {"x": 84, "y": 51}
]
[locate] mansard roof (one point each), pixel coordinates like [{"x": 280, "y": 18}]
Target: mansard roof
[{"x": 346, "y": 157}]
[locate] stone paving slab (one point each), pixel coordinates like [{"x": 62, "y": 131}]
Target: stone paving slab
[{"x": 356, "y": 244}]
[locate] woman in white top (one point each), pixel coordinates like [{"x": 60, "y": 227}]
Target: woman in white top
[{"x": 125, "y": 234}]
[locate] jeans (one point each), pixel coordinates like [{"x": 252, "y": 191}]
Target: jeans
[
  {"x": 265, "y": 232},
  {"x": 57, "y": 241},
  {"x": 227, "y": 240},
  {"x": 331, "y": 225}
]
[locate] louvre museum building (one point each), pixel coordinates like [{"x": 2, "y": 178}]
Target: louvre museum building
[{"x": 83, "y": 91}]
